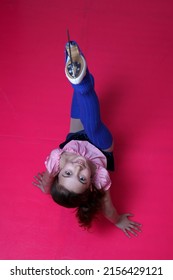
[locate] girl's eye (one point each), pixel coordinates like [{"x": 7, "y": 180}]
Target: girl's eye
[
  {"x": 82, "y": 179},
  {"x": 68, "y": 173}
]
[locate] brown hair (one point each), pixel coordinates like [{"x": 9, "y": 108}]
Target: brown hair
[{"x": 87, "y": 204}]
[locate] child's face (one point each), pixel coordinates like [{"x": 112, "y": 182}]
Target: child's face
[{"x": 75, "y": 174}]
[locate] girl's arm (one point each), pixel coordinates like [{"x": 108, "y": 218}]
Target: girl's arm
[
  {"x": 43, "y": 181},
  {"x": 121, "y": 221},
  {"x": 108, "y": 208}
]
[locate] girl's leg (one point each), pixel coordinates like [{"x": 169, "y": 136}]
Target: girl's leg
[
  {"x": 75, "y": 122},
  {"x": 85, "y": 105}
]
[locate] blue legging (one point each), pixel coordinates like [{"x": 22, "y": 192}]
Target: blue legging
[{"x": 85, "y": 106}]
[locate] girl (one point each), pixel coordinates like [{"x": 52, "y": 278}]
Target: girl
[{"x": 76, "y": 173}]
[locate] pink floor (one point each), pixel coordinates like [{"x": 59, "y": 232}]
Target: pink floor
[{"x": 129, "y": 48}]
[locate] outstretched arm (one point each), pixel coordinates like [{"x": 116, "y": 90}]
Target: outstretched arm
[
  {"x": 43, "y": 181},
  {"x": 121, "y": 221}
]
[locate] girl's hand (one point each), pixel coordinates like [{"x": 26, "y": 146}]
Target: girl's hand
[
  {"x": 39, "y": 181},
  {"x": 128, "y": 226}
]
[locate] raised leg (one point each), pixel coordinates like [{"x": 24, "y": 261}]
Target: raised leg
[{"x": 85, "y": 103}]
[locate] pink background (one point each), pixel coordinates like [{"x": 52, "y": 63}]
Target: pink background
[{"x": 129, "y": 48}]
